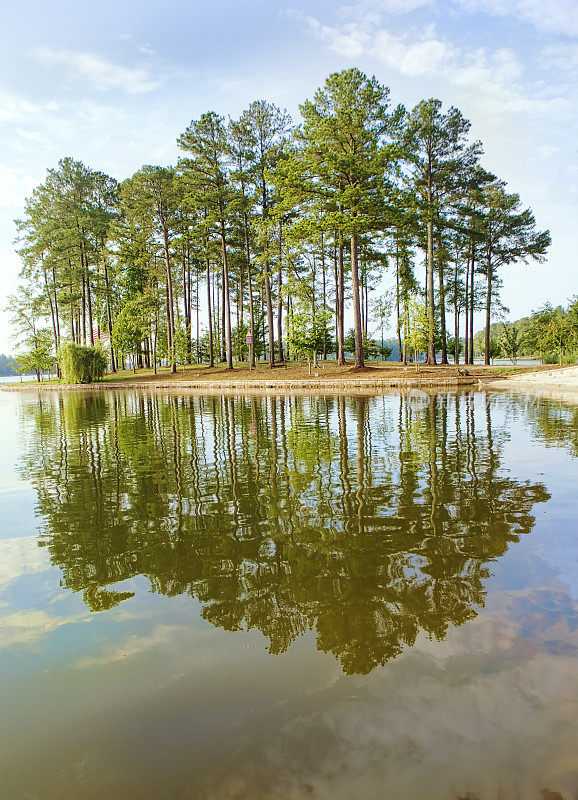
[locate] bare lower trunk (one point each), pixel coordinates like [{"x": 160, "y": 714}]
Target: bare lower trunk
[
  {"x": 170, "y": 303},
  {"x": 443, "y": 314},
  {"x": 210, "y": 311},
  {"x": 280, "y": 301},
  {"x": 109, "y": 320},
  {"x": 227, "y": 305},
  {"x": 356, "y": 304},
  {"x": 341, "y": 336},
  {"x": 472, "y": 307},
  {"x": 397, "y": 306},
  {"x": 488, "y": 312},
  {"x": 269, "y": 303}
]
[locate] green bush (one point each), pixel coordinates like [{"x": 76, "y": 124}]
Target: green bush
[
  {"x": 81, "y": 364},
  {"x": 554, "y": 358}
]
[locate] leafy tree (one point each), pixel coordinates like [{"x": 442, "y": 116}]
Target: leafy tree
[
  {"x": 81, "y": 364},
  {"x": 442, "y": 157},
  {"x": 509, "y": 235},
  {"x": 512, "y": 341},
  {"x": 346, "y": 152},
  {"x": 205, "y": 176},
  {"x": 309, "y": 337}
]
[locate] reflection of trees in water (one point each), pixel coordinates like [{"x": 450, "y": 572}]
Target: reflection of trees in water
[
  {"x": 366, "y": 520},
  {"x": 555, "y": 423}
]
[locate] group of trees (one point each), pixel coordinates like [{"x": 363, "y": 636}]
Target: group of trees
[
  {"x": 268, "y": 232},
  {"x": 549, "y": 333}
]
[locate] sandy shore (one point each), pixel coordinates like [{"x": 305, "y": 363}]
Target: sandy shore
[
  {"x": 331, "y": 386},
  {"x": 558, "y": 383}
]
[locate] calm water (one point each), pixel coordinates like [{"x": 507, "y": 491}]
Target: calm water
[{"x": 288, "y": 597}]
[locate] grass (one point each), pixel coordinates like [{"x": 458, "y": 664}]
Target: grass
[{"x": 297, "y": 371}]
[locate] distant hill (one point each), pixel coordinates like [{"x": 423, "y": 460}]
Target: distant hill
[{"x": 6, "y": 366}]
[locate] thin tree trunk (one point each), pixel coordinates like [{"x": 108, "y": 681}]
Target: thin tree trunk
[
  {"x": 341, "y": 338},
  {"x": 250, "y": 289},
  {"x": 89, "y": 303},
  {"x": 269, "y": 303},
  {"x": 359, "y": 363},
  {"x": 467, "y": 313},
  {"x": 324, "y": 295},
  {"x": 472, "y": 304},
  {"x": 279, "y": 298},
  {"x": 431, "y": 351},
  {"x": 209, "y": 307},
  {"x": 397, "y": 304},
  {"x": 109, "y": 319},
  {"x": 443, "y": 312},
  {"x": 488, "y": 308},
  {"x": 227, "y": 305},
  {"x": 170, "y": 302}
]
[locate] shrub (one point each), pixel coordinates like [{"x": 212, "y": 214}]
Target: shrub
[
  {"x": 82, "y": 364},
  {"x": 553, "y": 357}
]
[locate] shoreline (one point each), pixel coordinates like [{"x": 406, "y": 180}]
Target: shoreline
[
  {"x": 330, "y": 385},
  {"x": 545, "y": 378},
  {"x": 560, "y": 383}
]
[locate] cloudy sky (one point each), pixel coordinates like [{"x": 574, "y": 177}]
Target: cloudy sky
[{"x": 114, "y": 83}]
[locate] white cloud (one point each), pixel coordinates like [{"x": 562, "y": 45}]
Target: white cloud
[
  {"x": 373, "y": 7},
  {"x": 15, "y": 185},
  {"x": 414, "y": 58},
  {"x": 103, "y": 75},
  {"x": 554, "y": 16},
  {"x": 21, "y": 556},
  {"x": 160, "y": 636},
  {"x": 495, "y": 78},
  {"x": 561, "y": 57},
  {"x": 26, "y": 626},
  {"x": 15, "y": 109}
]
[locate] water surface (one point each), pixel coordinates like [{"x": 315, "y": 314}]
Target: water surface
[{"x": 288, "y": 597}]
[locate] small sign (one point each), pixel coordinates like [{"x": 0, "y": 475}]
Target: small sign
[{"x": 249, "y": 339}]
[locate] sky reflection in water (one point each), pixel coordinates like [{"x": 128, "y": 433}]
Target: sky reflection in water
[{"x": 409, "y": 559}]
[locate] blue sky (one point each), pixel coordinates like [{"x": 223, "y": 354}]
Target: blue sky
[{"x": 114, "y": 83}]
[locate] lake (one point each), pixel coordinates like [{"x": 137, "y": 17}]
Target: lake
[{"x": 288, "y": 597}]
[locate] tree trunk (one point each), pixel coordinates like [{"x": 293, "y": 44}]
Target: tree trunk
[
  {"x": 89, "y": 303},
  {"x": 472, "y": 305},
  {"x": 488, "y": 309},
  {"x": 279, "y": 299},
  {"x": 398, "y": 320},
  {"x": 269, "y": 303},
  {"x": 341, "y": 337},
  {"x": 467, "y": 312},
  {"x": 109, "y": 319},
  {"x": 356, "y": 304},
  {"x": 431, "y": 350},
  {"x": 443, "y": 312},
  {"x": 227, "y": 303},
  {"x": 83, "y": 309},
  {"x": 209, "y": 306},
  {"x": 170, "y": 303},
  {"x": 250, "y": 289}
]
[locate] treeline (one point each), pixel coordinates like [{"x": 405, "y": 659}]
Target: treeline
[
  {"x": 7, "y": 366},
  {"x": 264, "y": 233},
  {"x": 550, "y": 334}
]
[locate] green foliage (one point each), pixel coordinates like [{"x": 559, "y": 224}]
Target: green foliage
[
  {"x": 418, "y": 333},
  {"x": 307, "y": 337},
  {"x": 133, "y": 324},
  {"x": 371, "y": 348},
  {"x": 512, "y": 341},
  {"x": 82, "y": 364},
  {"x": 495, "y": 350}
]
